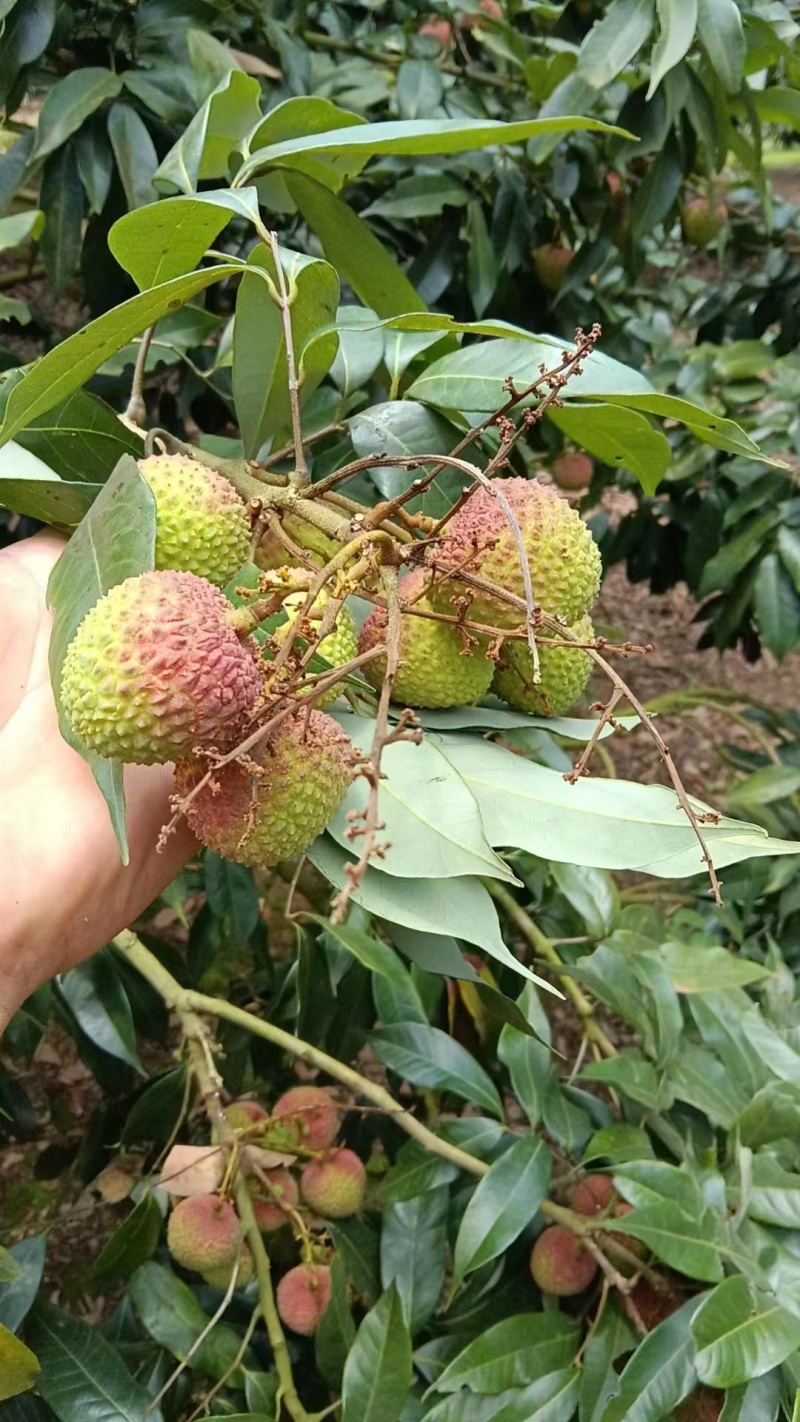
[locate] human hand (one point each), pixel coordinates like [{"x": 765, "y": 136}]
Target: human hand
[{"x": 64, "y": 890}]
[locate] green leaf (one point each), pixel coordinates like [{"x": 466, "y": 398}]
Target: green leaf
[
  {"x": 419, "y": 88},
  {"x": 621, "y": 438},
  {"x": 614, "y": 41},
  {"x": 135, "y": 153},
  {"x": 80, "y": 439},
  {"x": 29, "y": 487},
  {"x": 19, "y": 1367},
  {"x": 233, "y": 899},
  {"x": 69, "y": 364},
  {"x": 377, "y": 1374},
  {"x": 759, "y": 1401},
  {"x": 15, "y": 229},
  {"x": 677, "y": 21},
  {"x": 168, "y": 238},
  {"x": 170, "y": 1313},
  {"x": 634, "y": 1076},
  {"x": 422, "y": 195},
  {"x": 19, "y": 1289},
  {"x": 646, "y": 1182},
  {"x": 95, "y": 164},
  {"x": 414, "y": 1253},
  {"x": 97, "y": 1000},
  {"x": 133, "y": 1242},
  {"x": 360, "y": 348},
  {"x": 426, "y": 1056},
  {"x": 722, "y": 36},
  {"x": 658, "y": 190},
  {"x": 741, "y": 1333},
  {"x": 773, "y": 1113},
  {"x": 777, "y": 606},
  {"x": 414, "y": 1172},
  {"x": 260, "y": 383},
  {"x": 69, "y": 102},
  {"x": 62, "y": 200},
  {"x": 334, "y": 1336},
  {"x": 777, "y": 105},
  {"x": 204, "y": 148},
  {"x": 529, "y": 1063},
  {"x": 773, "y": 1194},
  {"x": 379, "y": 958},
  {"x": 661, "y": 1372},
  {"x": 686, "y": 1245},
  {"x": 82, "y": 1375},
  {"x": 695, "y": 968},
  {"x": 735, "y": 554},
  {"x": 504, "y": 1203},
  {"x": 613, "y": 1336},
  {"x": 512, "y": 1354},
  {"x": 359, "y": 1243}
]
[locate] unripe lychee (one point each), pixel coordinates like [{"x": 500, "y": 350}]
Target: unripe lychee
[
  {"x": 242, "y": 1115},
  {"x": 563, "y": 557},
  {"x": 220, "y": 1277},
  {"x": 334, "y": 1186},
  {"x": 593, "y": 1195},
  {"x": 202, "y": 525},
  {"x": 339, "y": 647},
  {"x": 559, "y": 1263},
  {"x": 303, "y": 1296},
  {"x": 565, "y": 672},
  {"x": 701, "y": 222},
  {"x": 304, "y": 1116},
  {"x": 573, "y": 471},
  {"x": 436, "y": 668},
  {"x": 156, "y": 669},
  {"x": 204, "y": 1233},
  {"x": 281, "y": 1186},
  {"x": 550, "y": 263},
  {"x": 263, "y": 818},
  {"x": 272, "y": 554}
]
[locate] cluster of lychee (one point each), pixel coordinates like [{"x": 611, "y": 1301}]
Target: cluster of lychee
[
  {"x": 560, "y": 1262},
  {"x": 204, "y": 1232}
]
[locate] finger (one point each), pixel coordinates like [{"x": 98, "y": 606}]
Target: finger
[{"x": 24, "y": 624}]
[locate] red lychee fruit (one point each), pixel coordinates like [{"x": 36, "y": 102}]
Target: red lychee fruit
[
  {"x": 560, "y": 1264},
  {"x": 439, "y": 30},
  {"x": 550, "y": 263},
  {"x": 304, "y": 1116},
  {"x": 204, "y": 1233},
  {"x": 334, "y": 1186},
  {"x": 269, "y": 1212},
  {"x": 573, "y": 471},
  {"x": 244, "y": 1114},
  {"x": 303, "y": 1296},
  {"x": 593, "y": 1195},
  {"x": 654, "y": 1305}
]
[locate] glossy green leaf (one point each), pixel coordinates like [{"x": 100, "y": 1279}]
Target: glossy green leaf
[
  {"x": 18, "y": 1293},
  {"x": 512, "y": 1353},
  {"x": 63, "y": 203},
  {"x": 29, "y": 487},
  {"x": 646, "y": 1182},
  {"x": 131, "y": 1244},
  {"x": 96, "y": 997},
  {"x": 20, "y": 225},
  {"x": 677, "y": 22},
  {"x": 660, "y": 1374},
  {"x": 741, "y": 1334},
  {"x": 415, "y": 1171},
  {"x": 505, "y": 1202},
  {"x": 379, "y": 958},
  {"x": 722, "y": 35},
  {"x": 777, "y": 606},
  {"x": 18, "y": 1365},
  {"x": 81, "y": 440},
  {"x": 377, "y": 1373},
  {"x": 414, "y": 1253},
  {"x": 82, "y": 1375},
  {"x": 170, "y": 1313},
  {"x": 166, "y": 239},
  {"x": 334, "y": 1336},
  {"x": 204, "y": 148},
  {"x": 696, "y": 968},
  {"x": 69, "y": 102},
  {"x": 614, "y": 41},
  {"x": 778, "y": 105},
  {"x": 613, "y": 1336},
  {"x": 686, "y": 1245},
  {"x": 135, "y": 153},
  {"x": 619, "y": 437},
  {"x": 773, "y": 1113},
  {"x": 233, "y": 899},
  {"x": 773, "y": 1195},
  {"x": 530, "y": 1063},
  {"x": 426, "y": 1056}
]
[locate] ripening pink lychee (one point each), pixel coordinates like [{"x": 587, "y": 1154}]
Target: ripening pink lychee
[
  {"x": 204, "y": 1233},
  {"x": 334, "y": 1186},
  {"x": 303, "y": 1296},
  {"x": 304, "y": 1116}
]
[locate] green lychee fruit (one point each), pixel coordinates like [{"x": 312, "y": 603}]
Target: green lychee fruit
[
  {"x": 339, "y": 647},
  {"x": 202, "y": 525},
  {"x": 701, "y": 222},
  {"x": 550, "y": 263},
  {"x": 204, "y": 1233},
  {"x": 593, "y": 1195},
  {"x": 565, "y": 673},
  {"x": 304, "y": 1116},
  {"x": 435, "y": 668},
  {"x": 243, "y": 1115},
  {"x": 220, "y": 1277},
  {"x": 156, "y": 669},
  {"x": 303, "y": 1296},
  {"x": 559, "y": 1263},
  {"x": 263, "y": 818},
  {"x": 573, "y": 471},
  {"x": 271, "y": 554},
  {"x": 563, "y": 558},
  {"x": 334, "y": 1186},
  {"x": 281, "y": 1186}
]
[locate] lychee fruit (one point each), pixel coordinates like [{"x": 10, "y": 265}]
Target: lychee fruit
[
  {"x": 565, "y": 672},
  {"x": 439, "y": 30},
  {"x": 156, "y": 669},
  {"x": 202, "y": 525},
  {"x": 654, "y": 1305},
  {"x": 573, "y": 471},
  {"x": 436, "y": 669},
  {"x": 334, "y": 1186},
  {"x": 339, "y": 647},
  {"x": 220, "y": 1277},
  {"x": 271, "y": 553},
  {"x": 267, "y": 1204},
  {"x": 560, "y": 1264},
  {"x": 701, "y": 222},
  {"x": 203, "y": 1232},
  {"x": 272, "y": 808},
  {"x": 563, "y": 558},
  {"x": 593, "y": 1195},
  {"x": 303, "y": 1296},
  {"x": 243, "y": 1115},
  {"x": 550, "y": 263},
  {"x": 304, "y": 1116}
]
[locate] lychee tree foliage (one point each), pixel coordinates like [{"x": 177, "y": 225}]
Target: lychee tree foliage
[{"x": 493, "y": 1200}]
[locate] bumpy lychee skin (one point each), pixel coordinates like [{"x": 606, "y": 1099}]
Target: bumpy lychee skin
[
  {"x": 559, "y": 1263},
  {"x": 593, "y": 1195},
  {"x": 563, "y": 557},
  {"x": 334, "y": 1186},
  {"x": 303, "y": 1296},
  {"x": 435, "y": 670},
  {"x": 202, "y": 525},
  {"x": 220, "y": 1277},
  {"x": 565, "y": 673},
  {"x": 204, "y": 1233},
  {"x": 244, "y": 1115},
  {"x": 155, "y": 669},
  {"x": 339, "y": 647},
  {"x": 304, "y": 1116},
  {"x": 262, "y": 819},
  {"x": 267, "y": 1206}
]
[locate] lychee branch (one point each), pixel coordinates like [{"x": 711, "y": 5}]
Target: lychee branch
[{"x": 300, "y": 476}]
